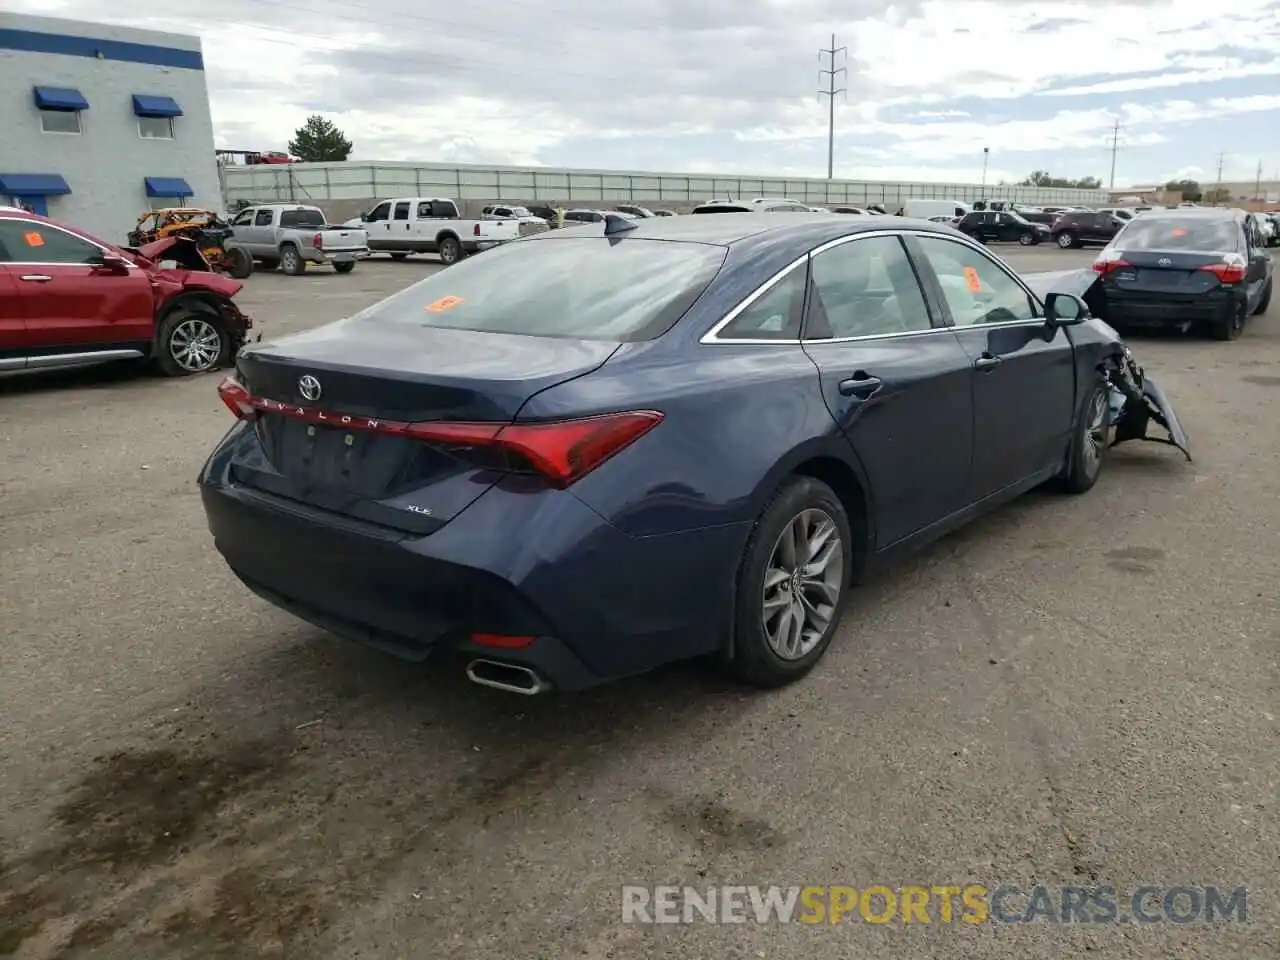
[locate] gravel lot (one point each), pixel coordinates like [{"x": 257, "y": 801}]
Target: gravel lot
[{"x": 1071, "y": 691}]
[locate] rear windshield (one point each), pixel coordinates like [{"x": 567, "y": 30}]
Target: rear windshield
[
  {"x": 722, "y": 208},
  {"x": 301, "y": 218},
  {"x": 582, "y": 288},
  {"x": 1180, "y": 233}
]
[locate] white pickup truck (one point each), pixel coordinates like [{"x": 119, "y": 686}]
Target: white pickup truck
[
  {"x": 405, "y": 225},
  {"x": 291, "y": 235}
]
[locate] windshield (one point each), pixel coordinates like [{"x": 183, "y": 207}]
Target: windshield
[
  {"x": 583, "y": 288},
  {"x": 1180, "y": 233}
]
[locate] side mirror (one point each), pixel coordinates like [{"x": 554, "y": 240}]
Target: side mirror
[
  {"x": 1065, "y": 310},
  {"x": 112, "y": 263}
]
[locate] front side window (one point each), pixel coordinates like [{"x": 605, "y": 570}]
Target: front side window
[
  {"x": 380, "y": 212},
  {"x": 865, "y": 288},
  {"x": 243, "y": 219},
  {"x": 26, "y": 241},
  {"x": 976, "y": 288},
  {"x": 60, "y": 121},
  {"x": 774, "y": 315},
  {"x": 583, "y": 289},
  {"x": 155, "y": 128}
]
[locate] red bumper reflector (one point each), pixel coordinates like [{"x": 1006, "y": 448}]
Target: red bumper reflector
[{"x": 501, "y": 641}]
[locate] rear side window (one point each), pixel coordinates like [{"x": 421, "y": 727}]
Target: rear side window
[
  {"x": 301, "y": 218},
  {"x": 263, "y": 218},
  {"x": 774, "y": 315},
  {"x": 582, "y": 288},
  {"x": 1181, "y": 233}
]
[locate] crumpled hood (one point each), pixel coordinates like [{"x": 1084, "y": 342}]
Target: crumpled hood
[
  {"x": 1076, "y": 282},
  {"x": 150, "y": 255}
]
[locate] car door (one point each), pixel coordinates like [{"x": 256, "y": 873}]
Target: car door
[
  {"x": 13, "y": 327},
  {"x": 1024, "y": 382},
  {"x": 261, "y": 240},
  {"x": 242, "y": 228},
  {"x": 376, "y": 224},
  {"x": 68, "y": 302},
  {"x": 896, "y": 381},
  {"x": 1259, "y": 269}
]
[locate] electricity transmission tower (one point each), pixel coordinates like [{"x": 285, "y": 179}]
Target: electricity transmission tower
[{"x": 830, "y": 92}]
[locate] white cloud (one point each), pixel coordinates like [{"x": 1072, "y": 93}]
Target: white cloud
[{"x": 729, "y": 85}]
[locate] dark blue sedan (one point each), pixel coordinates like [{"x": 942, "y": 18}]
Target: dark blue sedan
[{"x": 594, "y": 451}]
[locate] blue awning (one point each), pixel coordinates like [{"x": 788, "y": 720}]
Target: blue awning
[
  {"x": 33, "y": 184},
  {"x": 59, "y": 98},
  {"x": 168, "y": 187},
  {"x": 147, "y": 106}
]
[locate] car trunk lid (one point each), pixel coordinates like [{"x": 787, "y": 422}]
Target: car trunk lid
[
  {"x": 1169, "y": 272},
  {"x": 335, "y": 411}
]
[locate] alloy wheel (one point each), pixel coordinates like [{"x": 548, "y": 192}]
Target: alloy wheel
[
  {"x": 195, "y": 345},
  {"x": 802, "y": 584}
]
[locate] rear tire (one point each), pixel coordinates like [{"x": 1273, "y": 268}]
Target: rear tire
[
  {"x": 1265, "y": 301},
  {"x": 291, "y": 261},
  {"x": 239, "y": 263},
  {"x": 450, "y": 251},
  {"x": 1233, "y": 326},
  {"x": 792, "y": 586},
  {"x": 1090, "y": 443},
  {"x": 191, "y": 340},
  {"x": 346, "y": 267}
]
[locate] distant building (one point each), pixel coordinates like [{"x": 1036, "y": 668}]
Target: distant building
[{"x": 101, "y": 123}]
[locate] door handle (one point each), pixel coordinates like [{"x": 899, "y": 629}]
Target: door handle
[
  {"x": 986, "y": 363},
  {"x": 859, "y": 385},
  {"x": 37, "y": 278}
]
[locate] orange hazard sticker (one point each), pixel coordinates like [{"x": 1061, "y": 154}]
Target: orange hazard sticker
[
  {"x": 972, "y": 281},
  {"x": 1178, "y": 232},
  {"x": 443, "y": 305},
  {"x": 33, "y": 239}
]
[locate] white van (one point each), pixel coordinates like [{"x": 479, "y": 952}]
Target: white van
[{"x": 924, "y": 209}]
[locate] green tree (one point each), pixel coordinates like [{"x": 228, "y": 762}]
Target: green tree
[
  {"x": 318, "y": 140},
  {"x": 1189, "y": 189},
  {"x": 1042, "y": 178}
]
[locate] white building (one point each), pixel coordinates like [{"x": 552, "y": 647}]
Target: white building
[{"x": 100, "y": 123}]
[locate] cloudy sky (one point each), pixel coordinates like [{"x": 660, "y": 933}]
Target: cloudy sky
[{"x": 730, "y": 85}]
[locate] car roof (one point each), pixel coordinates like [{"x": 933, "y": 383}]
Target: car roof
[
  {"x": 804, "y": 230},
  {"x": 1194, "y": 213}
]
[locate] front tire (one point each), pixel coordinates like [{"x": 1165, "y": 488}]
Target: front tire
[
  {"x": 191, "y": 340},
  {"x": 1067, "y": 241},
  {"x": 345, "y": 267},
  {"x": 1090, "y": 444},
  {"x": 792, "y": 585},
  {"x": 1026, "y": 239},
  {"x": 239, "y": 263},
  {"x": 291, "y": 261}
]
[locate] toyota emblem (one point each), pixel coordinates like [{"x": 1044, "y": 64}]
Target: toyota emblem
[
  {"x": 309, "y": 387},
  {"x": 1165, "y": 262}
]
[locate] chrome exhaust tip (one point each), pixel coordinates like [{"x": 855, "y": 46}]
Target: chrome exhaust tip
[{"x": 509, "y": 677}]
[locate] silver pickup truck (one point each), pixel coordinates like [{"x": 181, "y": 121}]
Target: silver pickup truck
[{"x": 291, "y": 235}]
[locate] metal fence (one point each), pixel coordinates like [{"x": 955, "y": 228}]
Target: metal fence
[{"x": 318, "y": 182}]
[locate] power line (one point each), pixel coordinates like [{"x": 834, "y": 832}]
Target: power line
[{"x": 830, "y": 93}]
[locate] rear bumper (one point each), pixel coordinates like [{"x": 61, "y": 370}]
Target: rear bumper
[
  {"x": 338, "y": 256},
  {"x": 1153, "y": 310},
  {"x": 599, "y": 603}
]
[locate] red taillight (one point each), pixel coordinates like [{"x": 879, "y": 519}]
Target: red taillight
[
  {"x": 562, "y": 451},
  {"x": 1227, "y": 272},
  {"x": 237, "y": 398},
  {"x": 475, "y": 231},
  {"x": 1104, "y": 266},
  {"x": 318, "y": 241}
]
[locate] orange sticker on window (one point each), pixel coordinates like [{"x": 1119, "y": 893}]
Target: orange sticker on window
[
  {"x": 1178, "y": 232},
  {"x": 33, "y": 239},
  {"x": 443, "y": 305},
  {"x": 972, "y": 281}
]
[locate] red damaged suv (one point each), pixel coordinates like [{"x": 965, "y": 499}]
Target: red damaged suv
[{"x": 68, "y": 299}]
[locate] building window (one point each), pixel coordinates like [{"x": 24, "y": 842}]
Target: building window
[
  {"x": 60, "y": 121},
  {"x": 155, "y": 128}
]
